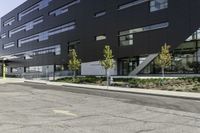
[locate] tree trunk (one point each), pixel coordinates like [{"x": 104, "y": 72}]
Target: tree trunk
[
  {"x": 163, "y": 72},
  {"x": 74, "y": 76},
  {"x": 107, "y": 77}
]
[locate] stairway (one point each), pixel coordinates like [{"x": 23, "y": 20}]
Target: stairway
[{"x": 139, "y": 68}]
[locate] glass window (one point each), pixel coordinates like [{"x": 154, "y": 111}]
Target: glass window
[
  {"x": 38, "y": 6},
  {"x": 194, "y": 36},
  {"x": 3, "y": 35},
  {"x": 56, "y": 50},
  {"x": 9, "y": 21},
  {"x": 46, "y": 34},
  {"x": 64, "y": 9},
  {"x": 43, "y": 36},
  {"x": 27, "y": 26},
  {"x": 59, "y": 68},
  {"x": 147, "y": 28},
  {"x": 100, "y": 37},
  {"x": 126, "y": 40},
  {"x": 99, "y": 14},
  {"x": 63, "y": 28},
  {"x": 156, "y": 5},
  {"x": 8, "y": 45},
  {"x": 130, "y": 4},
  {"x": 126, "y": 37}
]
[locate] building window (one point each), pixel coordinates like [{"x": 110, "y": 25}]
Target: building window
[
  {"x": 38, "y": 6},
  {"x": 28, "y": 26},
  {"x": 44, "y": 71},
  {"x": 126, "y": 37},
  {"x": 61, "y": 29},
  {"x": 46, "y": 34},
  {"x": 156, "y": 5},
  {"x": 3, "y": 35},
  {"x": 100, "y": 37},
  {"x": 194, "y": 36},
  {"x": 35, "y": 69},
  {"x": 64, "y": 9},
  {"x": 59, "y": 68},
  {"x": 9, "y": 21},
  {"x": 73, "y": 45},
  {"x": 56, "y": 50},
  {"x": 99, "y": 14},
  {"x": 130, "y": 4},
  {"x": 8, "y": 45}
]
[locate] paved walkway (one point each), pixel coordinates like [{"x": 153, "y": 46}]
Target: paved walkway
[{"x": 187, "y": 95}]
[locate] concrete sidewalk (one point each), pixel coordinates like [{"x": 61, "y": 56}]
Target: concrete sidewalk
[{"x": 185, "y": 95}]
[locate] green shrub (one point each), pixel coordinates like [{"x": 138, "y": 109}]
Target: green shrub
[
  {"x": 180, "y": 84},
  {"x": 83, "y": 80}
]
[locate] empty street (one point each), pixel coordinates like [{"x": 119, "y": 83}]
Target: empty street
[{"x": 37, "y": 108}]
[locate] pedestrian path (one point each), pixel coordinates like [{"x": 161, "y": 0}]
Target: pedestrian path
[{"x": 185, "y": 95}]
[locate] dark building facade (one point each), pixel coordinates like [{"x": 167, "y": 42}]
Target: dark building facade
[{"x": 37, "y": 36}]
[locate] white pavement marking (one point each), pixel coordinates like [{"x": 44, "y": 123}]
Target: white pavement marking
[{"x": 64, "y": 112}]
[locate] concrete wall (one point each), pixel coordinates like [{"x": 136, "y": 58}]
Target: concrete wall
[{"x": 94, "y": 68}]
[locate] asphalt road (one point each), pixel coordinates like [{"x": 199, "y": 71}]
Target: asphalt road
[{"x": 37, "y": 108}]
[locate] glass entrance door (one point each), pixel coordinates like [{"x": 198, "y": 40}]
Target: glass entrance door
[{"x": 127, "y": 65}]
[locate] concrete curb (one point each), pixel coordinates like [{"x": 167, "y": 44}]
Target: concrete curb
[
  {"x": 172, "y": 94},
  {"x": 140, "y": 93}
]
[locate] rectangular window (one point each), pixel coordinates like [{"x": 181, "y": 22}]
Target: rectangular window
[
  {"x": 46, "y": 34},
  {"x": 35, "y": 69},
  {"x": 9, "y": 21},
  {"x": 130, "y": 4},
  {"x": 156, "y": 5},
  {"x": 126, "y": 40},
  {"x": 3, "y": 35},
  {"x": 99, "y": 14},
  {"x": 27, "y": 26},
  {"x": 147, "y": 28},
  {"x": 8, "y": 45},
  {"x": 64, "y": 9},
  {"x": 100, "y": 37},
  {"x": 127, "y": 37},
  {"x": 56, "y": 50},
  {"x": 38, "y": 6},
  {"x": 63, "y": 28},
  {"x": 28, "y": 39}
]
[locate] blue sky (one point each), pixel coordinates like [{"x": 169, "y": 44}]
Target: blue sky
[{"x": 8, "y": 5}]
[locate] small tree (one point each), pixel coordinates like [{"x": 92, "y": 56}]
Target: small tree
[
  {"x": 107, "y": 62},
  {"x": 164, "y": 59},
  {"x": 74, "y": 63}
]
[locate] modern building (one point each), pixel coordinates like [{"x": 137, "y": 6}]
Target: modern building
[{"x": 37, "y": 36}]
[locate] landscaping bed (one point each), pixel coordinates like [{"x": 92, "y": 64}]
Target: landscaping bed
[{"x": 174, "y": 84}]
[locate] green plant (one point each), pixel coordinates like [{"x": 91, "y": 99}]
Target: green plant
[
  {"x": 164, "y": 59},
  {"x": 108, "y": 61},
  {"x": 74, "y": 63}
]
